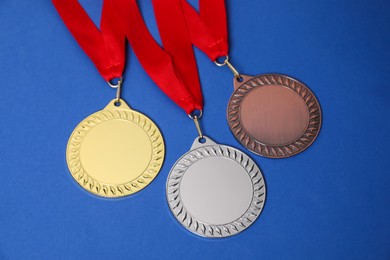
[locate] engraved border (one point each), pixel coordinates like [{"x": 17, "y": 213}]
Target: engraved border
[
  {"x": 274, "y": 151},
  {"x": 197, "y": 226},
  {"x": 108, "y": 189}
]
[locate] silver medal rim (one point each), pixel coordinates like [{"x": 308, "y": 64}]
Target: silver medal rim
[{"x": 201, "y": 228}]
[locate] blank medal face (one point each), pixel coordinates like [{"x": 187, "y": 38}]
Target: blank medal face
[
  {"x": 274, "y": 115},
  {"x": 115, "y": 152},
  {"x": 220, "y": 196},
  {"x": 215, "y": 190}
]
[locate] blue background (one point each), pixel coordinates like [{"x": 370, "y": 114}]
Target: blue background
[{"x": 330, "y": 202}]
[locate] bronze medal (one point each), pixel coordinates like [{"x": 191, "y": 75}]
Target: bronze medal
[{"x": 273, "y": 115}]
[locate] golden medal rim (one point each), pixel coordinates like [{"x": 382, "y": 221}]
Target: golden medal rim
[
  {"x": 112, "y": 190},
  {"x": 297, "y": 146}
]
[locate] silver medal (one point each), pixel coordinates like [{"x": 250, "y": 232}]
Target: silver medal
[{"x": 215, "y": 190}]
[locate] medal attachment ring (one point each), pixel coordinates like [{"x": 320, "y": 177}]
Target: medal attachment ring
[
  {"x": 215, "y": 190},
  {"x": 274, "y": 115},
  {"x": 115, "y": 152}
]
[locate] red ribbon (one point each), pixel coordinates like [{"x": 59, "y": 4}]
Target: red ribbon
[
  {"x": 173, "y": 68},
  {"x": 208, "y": 29},
  {"x": 105, "y": 47}
]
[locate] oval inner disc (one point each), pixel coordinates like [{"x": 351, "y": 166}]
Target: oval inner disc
[
  {"x": 116, "y": 151},
  {"x": 216, "y": 190},
  {"x": 274, "y": 115}
]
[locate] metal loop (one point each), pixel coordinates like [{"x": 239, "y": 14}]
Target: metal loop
[
  {"x": 196, "y": 115},
  {"x": 230, "y": 66},
  {"x": 118, "y": 84},
  {"x": 118, "y": 87},
  {"x": 223, "y": 63},
  {"x": 193, "y": 114},
  {"x": 197, "y": 125}
]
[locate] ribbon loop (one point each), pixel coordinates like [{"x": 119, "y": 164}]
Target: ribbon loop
[
  {"x": 208, "y": 29},
  {"x": 173, "y": 68},
  {"x": 105, "y": 47}
]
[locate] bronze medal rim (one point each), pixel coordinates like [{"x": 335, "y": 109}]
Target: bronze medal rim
[
  {"x": 115, "y": 190},
  {"x": 267, "y": 150}
]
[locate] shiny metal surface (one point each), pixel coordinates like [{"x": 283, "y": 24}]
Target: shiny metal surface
[
  {"x": 274, "y": 115},
  {"x": 115, "y": 152},
  {"x": 215, "y": 190}
]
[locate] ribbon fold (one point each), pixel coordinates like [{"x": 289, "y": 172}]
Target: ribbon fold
[{"x": 105, "y": 47}]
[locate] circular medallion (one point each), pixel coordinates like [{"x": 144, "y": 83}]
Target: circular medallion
[
  {"x": 274, "y": 115},
  {"x": 215, "y": 190},
  {"x": 115, "y": 152}
]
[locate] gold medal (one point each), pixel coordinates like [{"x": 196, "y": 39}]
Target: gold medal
[{"x": 115, "y": 152}]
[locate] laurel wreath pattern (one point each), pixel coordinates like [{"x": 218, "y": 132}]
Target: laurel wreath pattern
[
  {"x": 274, "y": 151},
  {"x": 200, "y": 227},
  {"x": 109, "y": 189}
]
